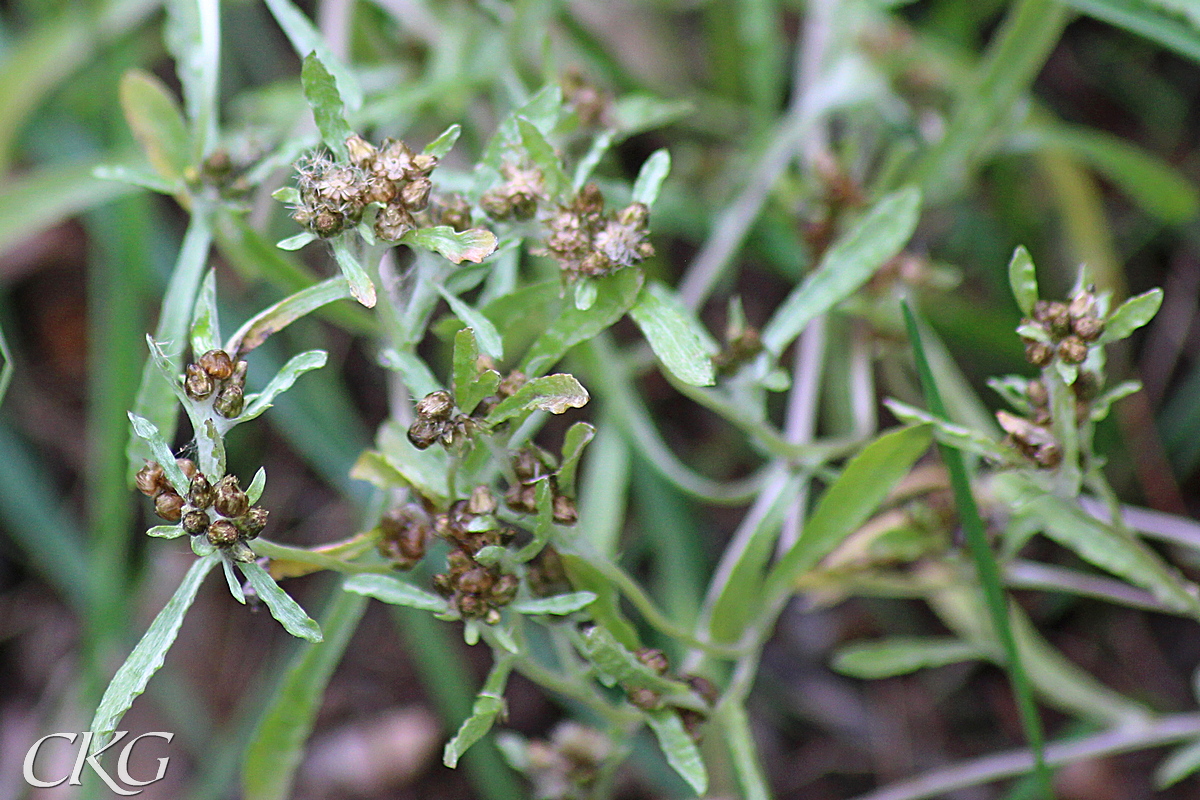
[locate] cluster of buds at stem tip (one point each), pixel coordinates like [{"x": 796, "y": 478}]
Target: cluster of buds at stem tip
[
  {"x": 475, "y": 590},
  {"x": 1063, "y": 330},
  {"x": 404, "y": 536},
  {"x": 221, "y": 512},
  {"x": 588, "y": 241},
  {"x": 648, "y": 699},
  {"x": 333, "y": 194},
  {"x": 217, "y": 376},
  {"x": 565, "y": 766},
  {"x": 438, "y": 420},
  {"x": 532, "y": 465},
  {"x": 518, "y": 196}
]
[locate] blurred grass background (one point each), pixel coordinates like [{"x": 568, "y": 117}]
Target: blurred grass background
[{"x": 1105, "y": 173}]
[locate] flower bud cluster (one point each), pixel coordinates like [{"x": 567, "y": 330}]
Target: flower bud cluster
[
  {"x": 475, "y": 590},
  {"x": 648, "y": 699},
  {"x": 334, "y": 194},
  {"x": 216, "y": 375},
  {"x": 566, "y": 766},
  {"x": 220, "y": 512},
  {"x": 405, "y": 533},
  {"x": 532, "y": 465},
  {"x": 1066, "y": 330},
  {"x": 518, "y": 196},
  {"x": 587, "y": 241},
  {"x": 439, "y": 420}
]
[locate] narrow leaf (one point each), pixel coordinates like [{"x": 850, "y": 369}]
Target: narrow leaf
[
  {"x": 283, "y": 608},
  {"x": 231, "y": 580},
  {"x": 356, "y": 276},
  {"x": 651, "y": 176},
  {"x": 615, "y": 295},
  {"x": 544, "y": 158},
  {"x": 147, "y": 657},
  {"x": 675, "y": 336},
  {"x": 148, "y": 432},
  {"x": 617, "y": 665},
  {"x": 1131, "y": 315},
  {"x": 165, "y": 531},
  {"x": 278, "y": 316},
  {"x": 442, "y": 144},
  {"x": 847, "y": 265},
  {"x": 321, "y": 92},
  {"x": 558, "y": 604},
  {"x": 488, "y": 704},
  {"x": 135, "y": 176},
  {"x": 577, "y": 438},
  {"x": 297, "y": 241},
  {"x": 484, "y": 331},
  {"x": 206, "y": 327},
  {"x": 296, "y": 366},
  {"x": 901, "y": 655},
  {"x": 1182, "y": 762},
  {"x": 1023, "y": 279},
  {"x": 553, "y": 393},
  {"x": 157, "y": 123},
  {"x": 543, "y": 527},
  {"x": 257, "y": 485},
  {"x": 681, "y": 752},
  {"x": 395, "y": 591},
  {"x": 417, "y": 376},
  {"x": 472, "y": 245},
  {"x": 306, "y": 39}
]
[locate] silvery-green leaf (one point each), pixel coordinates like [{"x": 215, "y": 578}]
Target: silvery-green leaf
[
  {"x": 146, "y": 430},
  {"x": 585, "y": 294},
  {"x": 321, "y": 92},
  {"x": 306, "y": 39},
  {"x": 677, "y": 745},
  {"x": 442, "y": 144},
  {"x": 165, "y": 531},
  {"x": 1131, "y": 315},
  {"x": 488, "y": 704},
  {"x": 296, "y": 366},
  {"x": 206, "y": 328},
  {"x": 201, "y": 546},
  {"x": 472, "y": 245},
  {"x": 544, "y": 158},
  {"x": 576, "y": 438},
  {"x": 394, "y": 591},
  {"x": 543, "y": 528},
  {"x": 283, "y": 608},
  {"x": 651, "y": 176},
  {"x": 1182, "y": 762},
  {"x": 675, "y": 336},
  {"x": 485, "y": 332},
  {"x": 255, "y": 489},
  {"x": 287, "y": 194},
  {"x": 356, "y": 275},
  {"x": 297, "y": 241},
  {"x": 231, "y": 580},
  {"x": 1102, "y": 404},
  {"x": 618, "y": 665},
  {"x": 900, "y": 655},
  {"x": 558, "y": 604},
  {"x": 1023, "y": 279},
  {"x": 553, "y": 393},
  {"x": 415, "y": 373}
]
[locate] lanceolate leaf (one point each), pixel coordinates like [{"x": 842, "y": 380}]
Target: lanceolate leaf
[
  {"x": 553, "y": 393},
  {"x": 617, "y": 665},
  {"x": 321, "y": 91},
  {"x": 1131, "y": 315},
  {"x": 306, "y": 40},
  {"x": 847, "y": 265},
  {"x": 356, "y": 275},
  {"x": 283, "y": 608},
  {"x": 146, "y": 430},
  {"x": 296, "y": 366},
  {"x": 681, "y": 752},
  {"x": 157, "y": 123},
  {"x": 544, "y": 158},
  {"x": 206, "y": 329},
  {"x": 578, "y": 435},
  {"x": 442, "y": 144},
  {"x": 1023, "y": 279},
  {"x": 395, "y": 591},
  {"x": 651, "y": 176},
  {"x": 276, "y": 317},
  {"x": 486, "y": 334},
  {"x": 472, "y": 245},
  {"x": 488, "y": 703},
  {"x": 470, "y": 385},
  {"x": 901, "y": 655},
  {"x": 674, "y": 335},
  {"x": 146, "y": 658},
  {"x": 558, "y": 604}
]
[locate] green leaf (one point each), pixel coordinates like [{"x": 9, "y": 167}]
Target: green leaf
[
  {"x": 542, "y": 154},
  {"x": 543, "y": 527},
  {"x": 165, "y": 531},
  {"x": 136, "y": 176},
  {"x": 954, "y": 435},
  {"x": 416, "y": 375},
  {"x": 356, "y": 276},
  {"x": 576, "y": 438},
  {"x": 206, "y": 327},
  {"x": 193, "y": 35},
  {"x": 277, "y": 745},
  {"x": 615, "y": 295},
  {"x": 231, "y": 580},
  {"x": 651, "y": 176},
  {"x": 1131, "y": 315},
  {"x": 283, "y": 608},
  {"x": 470, "y": 385},
  {"x": 585, "y": 294},
  {"x": 1100, "y": 407},
  {"x": 148, "y": 432},
  {"x": 900, "y": 655},
  {"x": 681, "y": 752},
  {"x": 1099, "y": 544},
  {"x": 1182, "y": 762},
  {"x": 634, "y": 113},
  {"x": 878, "y": 236},
  {"x": 852, "y": 499},
  {"x": 484, "y": 331},
  {"x": 558, "y": 604},
  {"x": 296, "y": 366},
  {"x": 147, "y": 657},
  {"x": 542, "y": 110},
  {"x": 1137, "y": 17},
  {"x": 278, "y": 316},
  {"x": 157, "y": 124},
  {"x": 321, "y": 92},
  {"x": 306, "y": 40},
  {"x": 553, "y": 393},
  {"x": 606, "y": 610},
  {"x": 297, "y": 241},
  {"x": 395, "y": 591},
  {"x": 488, "y": 704},
  {"x": 44, "y": 197},
  {"x": 472, "y": 245},
  {"x": 585, "y": 165},
  {"x": 1022, "y": 277},
  {"x": 442, "y": 144},
  {"x": 615, "y": 664},
  {"x": 675, "y": 336},
  {"x": 257, "y": 485}
]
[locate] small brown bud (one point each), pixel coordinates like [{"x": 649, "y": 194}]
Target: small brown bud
[
  {"x": 415, "y": 194},
  {"x": 169, "y": 506},
  {"x": 470, "y": 605},
  {"x": 504, "y": 590},
  {"x": 423, "y": 164},
  {"x": 201, "y": 493},
  {"x": 151, "y": 479},
  {"x": 223, "y": 533},
  {"x": 437, "y": 405},
  {"x": 230, "y": 401},
  {"x": 230, "y": 501},
  {"x": 482, "y": 502},
  {"x": 475, "y": 581},
  {"x": 362, "y": 152},
  {"x": 1055, "y": 316},
  {"x": 197, "y": 383},
  {"x": 443, "y": 585},
  {"x": 1038, "y": 353},
  {"x": 459, "y": 562},
  {"x": 645, "y": 699},
  {"x": 703, "y": 687},
  {"x": 217, "y": 364},
  {"x": 253, "y": 522},
  {"x": 424, "y": 432},
  {"x": 1083, "y": 304},
  {"x": 188, "y": 467},
  {"x": 1072, "y": 350},
  {"x": 1035, "y": 390},
  {"x": 496, "y": 204},
  {"x": 195, "y": 521},
  {"x": 654, "y": 658},
  {"x": 511, "y": 383},
  {"x": 1048, "y": 455},
  {"x": 564, "y": 510},
  {"x": 1087, "y": 328}
]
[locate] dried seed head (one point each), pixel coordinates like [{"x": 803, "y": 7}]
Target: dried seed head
[
  {"x": 151, "y": 479},
  {"x": 459, "y": 562},
  {"x": 393, "y": 222},
  {"x": 1072, "y": 350},
  {"x": 424, "y": 432},
  {"x": 437, "y": 405},
  {"x": 197, "y": 383},
  {"x": 415, "y": 194},
  {"x": 423, "y": 164},
  {"x": 645, "y": 699},
  {"x": 253, "y": 522},
  {"x": 1038, "y": 353},
  {"x": 195, "y": 521},
  {"x": 1083, "y": 303},
  {"x": 169, "y": 506},
  {"x": 1087, "y": 328},
  {"x": 476, "y": 581},
  {"x": 654, "y": 658},
  {"x": 470, "y": 605},
  {"x": 217, "y": 364},
  {"x": 201, "y": 492},
  {"x": 482, "y": 502},
  {"x": 230, "y": 401},
  {"x": 394, "y": 161},
  {"x": 504, "y": 590},
  {"x": 223, "y": 533},
  {"x": 187, "y": 467},
  {"x": 230, "y": 501}
]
